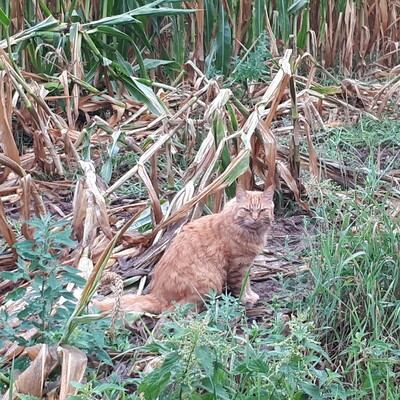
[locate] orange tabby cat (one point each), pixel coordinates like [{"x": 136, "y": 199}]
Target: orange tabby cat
[{"x": 208, "y": 254}]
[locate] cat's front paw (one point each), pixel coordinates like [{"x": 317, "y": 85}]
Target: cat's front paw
[{"x": 250, "y": 297}]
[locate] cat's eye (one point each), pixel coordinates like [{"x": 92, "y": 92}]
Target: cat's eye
[
  {"x": 263, "y": 210},
  {"x": 246, "y": 209}
]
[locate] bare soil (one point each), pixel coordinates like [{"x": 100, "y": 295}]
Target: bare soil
[{"x": 281, "y": 260}]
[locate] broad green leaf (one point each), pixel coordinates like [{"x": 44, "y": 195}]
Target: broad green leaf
[
  {"x": 156, "y": 382},
  {"x": 223, "y": 41},
  {"x": 160, "y": 11},
  {"x": 145, "y": 217},
  {"x": 258, "y": 18},
  {"x": 139, "y": 59},
  {"x": 44, "y": 8},
  {"x": 323, "y": 14},
  {"x": 232, "y": 116},
  {"x": 114, "y": 20},
  {"x": 48, "y": 24},
  {"x": 209, "y": 20},
  {"x": 305, "y": 27},
  {"x": 208, "y": 64},
  {"x": 220, "y": 130},
  {"x": 238, "y": 167},
  {"x": 112, "y": 150},
  {"x": 205, "y": 359},
  {"x": 144, "y": 94},
  {"x": 312, "y": 390},
  {"x": 297, "y": 6},
  {"x": 284, "y": 23},
  {"x": 126, "y": 67},
  {"x": 4, "y": 19},
  {"x": 128, "y": 17},
  {"x": 109, "y": 30},
  {"x": 150, "y": 63}
]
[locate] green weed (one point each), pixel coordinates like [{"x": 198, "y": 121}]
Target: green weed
[
  {"x": 356, "y": 299},
  {"x": 38, "y": 264},
  {"x": 369, "y": 142},
  {"x": 42, "y": 308},
  {"x": 216, "y": 355},
  {"x": 251, "y": 68}
]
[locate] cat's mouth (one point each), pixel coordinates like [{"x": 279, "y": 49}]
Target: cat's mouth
[{"x": 255, "y": 224}]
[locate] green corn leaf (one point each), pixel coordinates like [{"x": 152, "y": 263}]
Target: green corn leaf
[
  {"x": 208, "y": 63},
  {"x": 223, "y": 41},
  {"x": 284, "y": 22},
  {"x": 179, "y": 41},
  {"x": 232, "y": 116},
  {"x": 305, "y": 27},
  {"x": 258, "y": 18},
  {"x": 93, "y": 281},
  {"x": 209, "y": 20},
  {"x": 48, "y": 24},
  {"x": 111, "y": 31},
  {"x": 161, "y": 11},
  {"x": 139, "y": 59},
  {"x": 114, "y": 20},
  {"x": 112, "y": 150},
  {"x": 145, "y": 217},
  {"x": 238, "y": 167},
  {"x": 323, "y": 13},
  {"x": 124, "y": 66},
  {"x": 128, "y": 17},
  {"x": 150, "y": 63},
  {"x": 142, "y": 93},
  {"x": 44, "y": 8},
  {"x": 75, "y": 17},
  {"x": 297, "y": 6},
  {"x": 4, "y": 20},
  {"x": 220, "y": 133},
  {"x": 139, "y": 31},
  {"x": 121, "y": 35}
]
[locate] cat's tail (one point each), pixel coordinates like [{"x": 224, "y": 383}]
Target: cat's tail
[{"x": 131, "y": 303}]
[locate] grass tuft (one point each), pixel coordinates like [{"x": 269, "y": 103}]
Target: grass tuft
[{"x": 355, "y": 269}]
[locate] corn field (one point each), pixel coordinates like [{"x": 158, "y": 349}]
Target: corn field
[{"x": 197, "y": 95}]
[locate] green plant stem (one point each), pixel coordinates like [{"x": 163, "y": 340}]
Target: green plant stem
[{"x": 4, "y": 379}]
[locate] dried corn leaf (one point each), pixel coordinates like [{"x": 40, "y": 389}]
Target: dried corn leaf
[
  {"x": 7, "y": 142},
  {"x": 6, "y": 229},
  {"x": 95, "y": 278},
  {"x": 14, "y": 349},
  {"x": 91, "y": 181},
  {"x": 285, "y": 174},
  {"x": 73, "y": 367},
  {"x": 31, "y": 381}
]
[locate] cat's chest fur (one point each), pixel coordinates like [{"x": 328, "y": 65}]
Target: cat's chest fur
[{"x": 217, "y": 249}]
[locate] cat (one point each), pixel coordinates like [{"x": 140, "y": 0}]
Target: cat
[{"x": 209, "y": 253}]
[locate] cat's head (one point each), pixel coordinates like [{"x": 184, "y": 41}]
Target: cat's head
[{"x": 254, "y": 210}]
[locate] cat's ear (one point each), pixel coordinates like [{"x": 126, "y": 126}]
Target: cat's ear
[
  {"x": 240, "y": 194},
  {"x": 268, "y": 193}
]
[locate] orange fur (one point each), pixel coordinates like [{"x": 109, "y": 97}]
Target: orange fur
[{"x": 208, "y": 254}]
